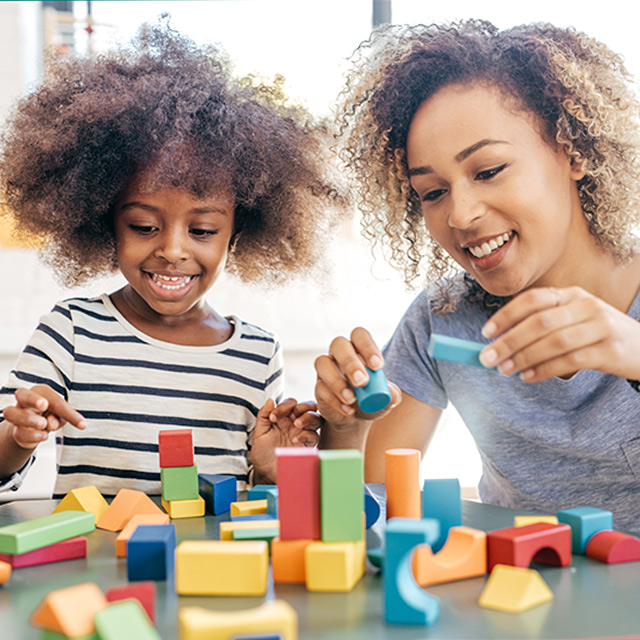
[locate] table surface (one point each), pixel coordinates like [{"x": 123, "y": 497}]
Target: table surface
[{"x": 591, "y": 599}]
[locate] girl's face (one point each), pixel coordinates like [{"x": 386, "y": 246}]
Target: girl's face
[
  {"x": 498, "y": 198},
  {"x": 171, "y": 247}
]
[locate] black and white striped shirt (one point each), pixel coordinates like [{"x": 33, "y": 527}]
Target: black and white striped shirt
[{"x": 130, "y": 386}]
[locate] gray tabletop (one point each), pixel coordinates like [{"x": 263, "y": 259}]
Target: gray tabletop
[{"x": 591, "y": 599}]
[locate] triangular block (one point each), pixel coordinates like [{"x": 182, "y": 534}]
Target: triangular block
[
  {"x": 514, "y": 589},
  {"x": 126, "y": 504},
  {"x": 87, "y": 499}
]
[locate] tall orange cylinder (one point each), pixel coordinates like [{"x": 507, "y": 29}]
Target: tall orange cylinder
[{"x": 402, "y": 480}]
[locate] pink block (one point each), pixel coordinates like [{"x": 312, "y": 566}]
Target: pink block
[
  {"x": 65, "y": 550},
  {"x": 613, "y": 547},
  {"x": 143, "y": 592}
]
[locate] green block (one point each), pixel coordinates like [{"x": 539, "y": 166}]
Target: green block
[
  {"x": 41, "y": 532},
  {"x": 267, "y": 534},
  {"x": 54, "y": 635},
  {"x": 125, "y": 619},
  {"x": 179, "y": 483},
  {"x": 341, "y": 495}
]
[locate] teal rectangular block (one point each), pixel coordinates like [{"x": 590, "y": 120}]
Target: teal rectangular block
[
  {"x": 179, "y": 483},
  {"x": 125, "y": 619},
  {"x": 41, "y": 532},
  {"x": 341, "y": 495},
  {"x": 455, "y": 350}
]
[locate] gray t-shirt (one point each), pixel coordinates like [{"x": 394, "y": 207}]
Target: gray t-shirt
[{"x": 544, "y": 446}]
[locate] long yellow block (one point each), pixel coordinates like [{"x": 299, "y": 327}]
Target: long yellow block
[
  {"x": 84, "y": 499},
  {"x": 227, "y": 528},
  {"x": 523, "y": 521},
  {"x": 334, "y": 566},
  {"x": 220, "y": 568},
  {"x": 248, "y": 507},
  {"x": 184, "y": 508},
  {"x": 277, "y": 618}
]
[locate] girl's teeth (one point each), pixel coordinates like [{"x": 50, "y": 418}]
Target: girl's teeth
[{"x": 163, "y": 281}]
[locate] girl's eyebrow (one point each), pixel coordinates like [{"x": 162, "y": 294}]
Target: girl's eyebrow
[{"x": 148, "y": 207}]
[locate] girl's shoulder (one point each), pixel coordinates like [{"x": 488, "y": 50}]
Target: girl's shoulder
[
  {"x": 81, "y": 310},
  {"x": 252, "y": 332}
]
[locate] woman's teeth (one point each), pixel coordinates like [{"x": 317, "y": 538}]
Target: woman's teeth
[
  {"x": 171, "y": 282},
  {"x": 487, "y": 248}
]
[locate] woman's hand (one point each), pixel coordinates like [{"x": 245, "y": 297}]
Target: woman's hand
[{"x": 547, "y": 332}]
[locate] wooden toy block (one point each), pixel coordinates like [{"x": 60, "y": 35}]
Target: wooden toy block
[
  {"x": 274, "y": 617},
  {"x": 84, "y": 499},
  {"x": 41, "y": 532},
  {"x": 514, "y": 589},
  {"x": 341, "y": 495},
  {"x": 463, "y": 556},
  {"x": 334, "y": 566},
  {"x": 184, "y": 508},
  {"x": 126, "y": 504},
  {"x": 298, "y": 475},
  {"x": 259, "y": 491},
  {"x": 272, "y": 502},
  {"x": 143, "y": 592},
  {"x": 288, "y": 560},
  {"x": 249, "y": 507},
  {"x": 256, "y": 517},
  {"x": 175, "y": 447},
  {"x": 441, "y": 500},
  {"x": 402, "y": 481},
  {"x": 376, "y": 556},
  {"x": 54, "y": 635},
  {"x": 125, "y": 619},
  {"x": 584, "y": 522},
  {"x": 150, "y": 552},
  {"x": 375, "y": 395},
  {"x": 71, "y": 610},
  {"x": 523, "y": 521},
  {"x": 371, "y": 508},
  {"x": 220, "y": 568},
  {"x": 613, "y": 547},
  {"x": 5, "y": 571},
  {"x": 179, "y": 483},
  {"x": 130, "y": 527},
  {"x": 65, "y": 550},
  {"x": 227, "y": 528},
  {"x": 405, "y": 602},
  {"x": 267, "y": 534},
  {"x": 520, "y": 546},
  {"x": 455, "y": 350},
  {"x": 218, "y": 491}
]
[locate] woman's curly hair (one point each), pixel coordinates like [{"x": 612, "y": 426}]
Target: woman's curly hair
[
  {"x": 173, "y": 110},
  {"x": 579, "y": 90}
]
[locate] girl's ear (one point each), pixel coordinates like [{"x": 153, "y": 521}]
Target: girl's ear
[{"x": 577, "y": 170}]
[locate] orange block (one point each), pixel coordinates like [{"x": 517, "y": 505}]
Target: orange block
[
  {"x": 402, "y": 481},
  {"x": 130, "y": 527},
  {"x": 288, "y": 560},
  {"x": 124, "y": 506},
  {"x": 70, "y": 611},
  {"x": 464, "y": 555},
  {"x": 5, "y": 571}
]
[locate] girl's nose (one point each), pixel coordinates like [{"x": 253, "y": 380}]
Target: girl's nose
[{"x": 173, "y": 246}]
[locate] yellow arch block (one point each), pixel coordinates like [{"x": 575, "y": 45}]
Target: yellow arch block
[
  {"x": 514, "y": 589},
  {"x": 463, "y": 556}
]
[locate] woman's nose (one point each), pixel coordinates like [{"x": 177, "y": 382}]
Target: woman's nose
[{"x": 464, "y": 209}]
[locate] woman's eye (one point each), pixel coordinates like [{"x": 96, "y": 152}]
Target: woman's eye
[
  {"x": 490, "y": 173},
  {"x": 430, "y": 196},
  {"x": 142, "y": 229},
  {"x": 202, "y": 233}
]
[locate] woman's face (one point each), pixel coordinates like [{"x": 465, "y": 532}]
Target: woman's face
[{"x": 498, "y": 198}]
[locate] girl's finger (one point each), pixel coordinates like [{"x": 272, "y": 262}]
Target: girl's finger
[
  {"x": 21, "y": 417},
  {"x": 29, "y": 399}
]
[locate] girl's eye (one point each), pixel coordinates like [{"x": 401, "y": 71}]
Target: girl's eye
[
  {"x": 490, "y": 173},
  {"x": 431, "y": 196},
  {"x": 142, "y": 229},
  {"x": 202, "y": 233}
]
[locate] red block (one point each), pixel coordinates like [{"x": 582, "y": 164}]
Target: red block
[
  {"x": 65, "y": 550},
  {"x": 298, "y": 479},
  {"x": 613, "y": 547},
  {"x": 176, "y": 448},
  {"x": 143, "y": 592},
  {"x": 539, "y": 542}
]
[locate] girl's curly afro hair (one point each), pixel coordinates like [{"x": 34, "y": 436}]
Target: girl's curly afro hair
[{"x": 173, "y": 110}]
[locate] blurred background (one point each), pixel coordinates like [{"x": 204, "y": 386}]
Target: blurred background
[{"x": 308, "y": 42}]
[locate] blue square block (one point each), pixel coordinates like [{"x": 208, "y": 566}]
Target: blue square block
[
  {"x": 218, "y": 492},
  {"x": 260, "y": 491},
  {"x": 151, "y": 551},
  {"x": 584, "y": 523}
]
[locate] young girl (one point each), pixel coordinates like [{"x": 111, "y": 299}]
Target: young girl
[
  {"x": 157, "y": 162},
  {"x": 515, "y": 156}
]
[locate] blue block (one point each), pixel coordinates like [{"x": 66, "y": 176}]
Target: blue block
[
  {"x": 259, "y": 491},
  {"x": 218, "y": 492},
  {"x": 272, "y": 502},
  {"x": 455, "y": 349},
  {"x": 150, "y": 552},
  {"x": 405, "y": 602},
  {"x": 375, "y": 395},
  {"x": 253, "y": 516},
  {"x": 371, "y": 508},
  {"x": 441, "y": 501},
  {"x": 584, "y": 523}
]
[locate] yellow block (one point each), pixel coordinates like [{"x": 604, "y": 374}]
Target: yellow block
[
  {"x": 87, "y": 499},
  {"x": 248, "y": 508},
  {"x": 130, "y": 527},
  {"x": 271, "y": 618},
  {"x": 334, "y": 566},
  {"x": 523, "y": 521},
  {"x": 220, "y": 568},
  {"x": 227, "y": 528},
  {"x": 514, "y": 589},
  {"x": 184, "y": 508}
]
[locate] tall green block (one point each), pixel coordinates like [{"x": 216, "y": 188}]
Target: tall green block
[
  {"x": 41, "y": 532},
  {"x": 341, "y": 495},
  {"x": 125, "y": 619},
  {"x": 179, "y": 483}
]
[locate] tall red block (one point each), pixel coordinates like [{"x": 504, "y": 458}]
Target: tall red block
[
  {"x": 298, "y": 479},
  {"x": 175, "y": 448}
]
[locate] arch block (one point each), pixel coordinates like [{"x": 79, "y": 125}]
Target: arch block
[
  {"x": 613, "y": 547},
  {"x": 514, "y": 589},
  {"x": 519, "y": 546},
  {"x": 463, "y": 556}
]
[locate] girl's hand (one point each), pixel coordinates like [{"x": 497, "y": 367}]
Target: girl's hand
[
  {"x": 290, "y": 424},
  {"x": 37, "y": 412},
  {"x": 343, "y": 369},
  {"x": 549, "y": 332}
]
